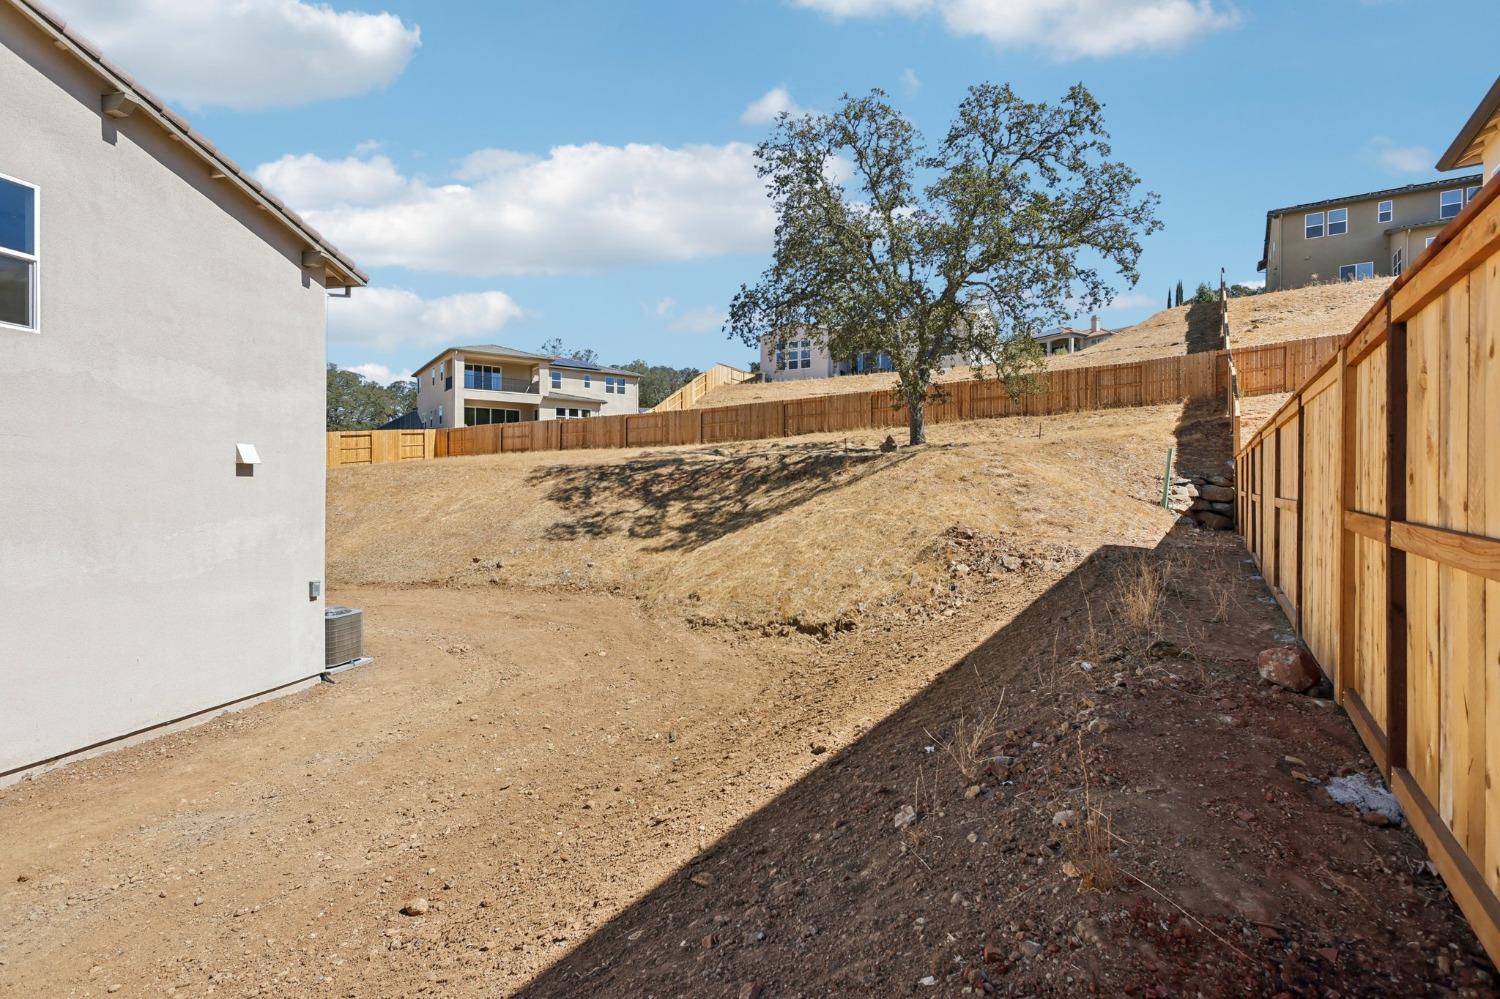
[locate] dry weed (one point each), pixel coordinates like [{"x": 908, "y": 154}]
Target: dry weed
[
  {"x": 973, "y": 739},
  {"x": 1141, "y": 598},
  {"x": 1092, "y": 845}
]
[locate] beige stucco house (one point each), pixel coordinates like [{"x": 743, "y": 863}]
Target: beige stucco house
[
  {"x": 162, "y": 339},
  {"x": 1358, "y": 236},
  {"x": 1067, "y": 340},
  {"x": 487, "y": 383},
  {"x": 802, "y": 356}
]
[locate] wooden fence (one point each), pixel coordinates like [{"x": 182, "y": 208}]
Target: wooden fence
[
  {"x": 687, "y": 397},
  {"x": 373, "y": 447},
  {"x": 1204, "y": 375},
  {"x": 1371, "y": 502}
]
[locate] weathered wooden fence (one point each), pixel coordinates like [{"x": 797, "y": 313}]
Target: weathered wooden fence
[
  {"x": 1371, "y": 502},
  {"x": 1203, "y": 375},
  {"x": 687, "y": 397}
]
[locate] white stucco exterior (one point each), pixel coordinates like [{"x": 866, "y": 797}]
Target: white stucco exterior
[
  {"x": 521, "y": 385},
  {"x": 144, "y": 579}
]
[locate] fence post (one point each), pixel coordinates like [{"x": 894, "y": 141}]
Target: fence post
[
  {"x": 1166, "y": 479},
  {"x": 1395, "y": 511}
]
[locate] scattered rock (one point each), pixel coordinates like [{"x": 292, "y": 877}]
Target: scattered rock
[
  {"x": 1065, "y": 819},
  {"x": 1217, "y": 494},
  {"x": 702, "y": 879},
  {"x": 1030, "y": 948},
  {"x": 1288, "y": 666},
  {"x": 1098, "y": 726},
  {"x": 818, "y": 749},
  {"x": 1213, "y": 521},
  {"x": 751, "y": 990},
  {"x": 972, "y": 791},
  {"x": 1071, "y": 870},
  {"x": 905, "y": 817},
  {"x": 887, "y": 446},
  {"x": 927, "y": 981},
  {"x": 416, "y": 907}
]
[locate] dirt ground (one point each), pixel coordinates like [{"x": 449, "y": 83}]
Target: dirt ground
[
  {"x": 1317, "y": 310},
  {"x": 592, "y": 794}
]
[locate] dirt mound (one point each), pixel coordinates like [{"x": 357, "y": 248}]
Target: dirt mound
[{"x": 812, "y": 534}]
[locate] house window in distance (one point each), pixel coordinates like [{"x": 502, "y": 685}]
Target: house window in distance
[
  {"x": 19, "y": 287},
  {"x": 1428, "y": 242},
  {"x": 1451, "y": 204},
  {"x": 557, "y": 379},
  {"x": 1357, "y": 272},
  {"x": 1338, "y": 221},
  {"x": 1312, "y": 225},
  {"x": 1385, "y": 211},
  {"x": 1398, "y": 263},
  {"x": 588, "y": 381},
  {"x": 479, "y": 416}
]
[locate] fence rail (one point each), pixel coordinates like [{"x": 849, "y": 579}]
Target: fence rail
[
  {"x": 1139, "y": 383},
  {"x": 1371, "y": 502}
]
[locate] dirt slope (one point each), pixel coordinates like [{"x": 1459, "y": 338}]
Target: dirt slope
[
  {"x": 723, "y": 534},
  {"x": 1320, "y": 310}
]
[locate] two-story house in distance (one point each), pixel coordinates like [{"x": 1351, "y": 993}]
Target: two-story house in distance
[
  {"x": 487, "y": 383},
  {"x": 1358, "y": 236}
]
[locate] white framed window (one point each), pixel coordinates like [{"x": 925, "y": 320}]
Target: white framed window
[
  {"x": 1312, "y": 225},
  {"x": 1357, "y": 272},
  {"x": 1338, "y": 221},
  {"x": 1428, "y": 242},
  {"x": 20, "y": 255},
  {"x": 1385, "y": 211},
  {"x": 1471, "y": 193},
  {"x": 588, "y": 381},
  {"x": 557, "y": 379},
  {"x": 1398, "y": 262},
  {"x": 1450, "y": 203}
]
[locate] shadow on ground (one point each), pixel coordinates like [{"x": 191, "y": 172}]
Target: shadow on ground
[
  {"x": 684, "y": 501},
  {"x": 1204, "y": 330},
  {"x": 1094, "y": 799}
]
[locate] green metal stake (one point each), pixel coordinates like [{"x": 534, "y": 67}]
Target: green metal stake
[{"x": 1166, "y": 481}]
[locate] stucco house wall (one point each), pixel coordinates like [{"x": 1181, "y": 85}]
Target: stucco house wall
[{"x": 145, "y": 579}]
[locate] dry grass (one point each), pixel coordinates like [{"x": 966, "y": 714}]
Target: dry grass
[
  {"x": 972, "y": 746},
  {"x": 1093, "y": 845},
  {"x": 1141, "y": 597},
  {"x": 808, "y": 532},
  {"x": 1319, "y": 310}
]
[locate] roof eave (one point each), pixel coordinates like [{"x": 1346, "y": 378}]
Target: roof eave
[{"x": 1458, "y": 155}]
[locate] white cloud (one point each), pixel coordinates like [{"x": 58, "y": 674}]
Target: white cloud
[
  {"x": 1065, "y": 28},
  {"x": 1402, "y": 159},
  {"x": 910, "y": 80},
  {"x": 387, "y": 318},
  {"x": 579, "y": 208},
  {"x": 247, "y": 53},
  {"x": 700, "y": 319},
  {"x": 768, "y": 105},
  {"x": 378, "y": 373}
]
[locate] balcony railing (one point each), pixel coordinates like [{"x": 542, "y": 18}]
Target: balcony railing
[{"x": 495, "y": 383}]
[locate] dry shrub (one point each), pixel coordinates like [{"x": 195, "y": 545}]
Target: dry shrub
[
  {"x": 1092, "y": 846},
  {"x": 972, "y": 742},
  {"x": 1141, "y": 596}
]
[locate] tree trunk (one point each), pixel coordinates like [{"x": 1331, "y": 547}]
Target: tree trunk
[{"x": 917, "y": 421}]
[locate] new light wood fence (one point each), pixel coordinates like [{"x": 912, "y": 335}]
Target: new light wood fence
[
  {"x": 1278, "y": 367},
  {"x": 687, "y": 397},
  {"x": 1371, "y": 502}
]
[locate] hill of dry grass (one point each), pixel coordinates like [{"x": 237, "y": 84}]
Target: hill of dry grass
[
  {"x": 814, "y": 533},
  {"x": 1319, "y": 310}
]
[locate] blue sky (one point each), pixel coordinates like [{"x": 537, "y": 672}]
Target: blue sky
[{"x": 515, "y": 171}]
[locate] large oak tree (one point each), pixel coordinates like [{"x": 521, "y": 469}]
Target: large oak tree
[{"x": 1006, "y": 228}]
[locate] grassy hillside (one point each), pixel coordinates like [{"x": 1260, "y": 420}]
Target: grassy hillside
[
  {"x": 815, "y": 532},
  {"x": 1271, "y": 318}
]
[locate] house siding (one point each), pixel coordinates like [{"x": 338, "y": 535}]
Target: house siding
[{"x": 145, "y": 580}]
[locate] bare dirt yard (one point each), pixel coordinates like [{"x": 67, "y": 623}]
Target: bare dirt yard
[
  {"x": 1314, "y": 311},
  {"x": 1029, "y": 755}
]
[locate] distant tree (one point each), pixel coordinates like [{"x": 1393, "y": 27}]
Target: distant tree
[
  {"x": 755, "y": 367},
  {"x": 1169, "y": 298},
  {"x": 1019, "y": 200},
  {"x": 1179, "y": 292},
  {"x": 659, "y": 381},
  {"x": 354, "y": 402},
  {"x": 1205, "y": 294},
  {"x": 555, "y": 348},
  {"x": 1243, "y": 290}
]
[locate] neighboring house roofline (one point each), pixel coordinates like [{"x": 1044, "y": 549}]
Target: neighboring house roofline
[
  {"x": 1390, "y": 192},
  {"x": 1461, "y": 152},
  {"x": 490, "y": 349},
  {"x": 569, "y": 397},
  {"x": 130, "y": 97},
  {"x": 573, "y": 364},
  {"x": 1435, "y": 223}
]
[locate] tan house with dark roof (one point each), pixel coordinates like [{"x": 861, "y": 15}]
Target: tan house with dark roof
[
  {"x": 487, "y": 383},
  {"x": 1358, "y": 236},
  {"x": 162, "y": 338}
]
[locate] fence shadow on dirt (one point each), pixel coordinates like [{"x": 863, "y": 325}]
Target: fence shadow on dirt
[
  {"x": 1204, "y": 330},
  {"x": 683, "y": 501}
]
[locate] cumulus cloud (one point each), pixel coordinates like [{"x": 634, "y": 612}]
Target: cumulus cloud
[
  {"x": 247, "y": 53},
  {"x": 378, "y": 373},
  {"x": 1067, "y": 29},
  {"x": 910, "y": 80},
  {"x": 385, "y": 319},
  {"x": 579, "y": 208},
  {"x": 768, "y": 105},
  {"x": 1402, "y": 159}
]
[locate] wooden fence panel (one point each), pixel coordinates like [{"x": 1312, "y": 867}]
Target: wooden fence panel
[{"x": 1398, "y": 516}]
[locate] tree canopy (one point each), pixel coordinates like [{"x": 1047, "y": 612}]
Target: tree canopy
[
  {"x": 1005, "y": 229},
  {"x": 357, "y": 403}
]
